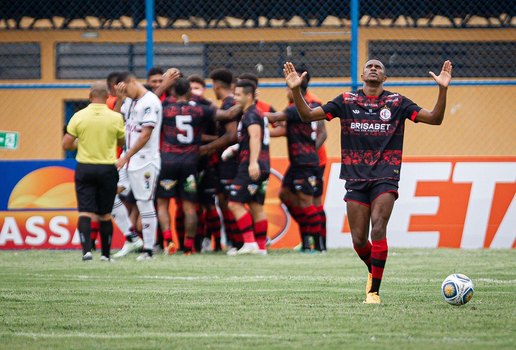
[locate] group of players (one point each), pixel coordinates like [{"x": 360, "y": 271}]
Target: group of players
[{"x": 214, "y": 161}]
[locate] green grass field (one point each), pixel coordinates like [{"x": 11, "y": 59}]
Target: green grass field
[{"x": 51, "y": 299}]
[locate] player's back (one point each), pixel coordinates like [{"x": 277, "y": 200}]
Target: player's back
[
  {"x": 301, "y": 138},
  {"x": 183, "y": 125}
]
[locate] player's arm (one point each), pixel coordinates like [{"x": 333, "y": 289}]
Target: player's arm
[
  {"x": 293, "y": 80},
  {"x": 321, "y": 134},
  {"x": 144, "y": 137},
  {"x": 436, "y": 116},
  {"x": 228, "y": 114},
  {"x": 276, "y": 116},
  {"x": 229, "y": 138},
  {"x": 169, "y": 78},
  {"x": 208, "y": 138},
  {"x": 255, "y": 145},
  {"x": 69, "y": 142},
  {"x": 277, "y": 123}
]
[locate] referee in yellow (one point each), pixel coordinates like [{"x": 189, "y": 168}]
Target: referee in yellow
[{"x": 95, "y": 132}]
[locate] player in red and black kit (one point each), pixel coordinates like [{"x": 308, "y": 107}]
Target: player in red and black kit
[
  {"x": 372, "y": 126},
  {"x": 300, "y": 180},
  {"x": 250, "y": 183},
  {"x": 261, "y": 105},
  {"x": 227, "y": 169},
  {"x": 208, "y": 217},
  {"x": 182, "y": 127}
]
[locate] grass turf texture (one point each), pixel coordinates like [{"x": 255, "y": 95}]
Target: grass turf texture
[{"x": 51, "y": 299}]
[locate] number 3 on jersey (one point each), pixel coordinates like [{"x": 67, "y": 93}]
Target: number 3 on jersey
[{"x": 186, "y": 134}]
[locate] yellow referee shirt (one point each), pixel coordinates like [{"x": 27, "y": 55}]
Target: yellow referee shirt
[{"x": 98, "y": 130}]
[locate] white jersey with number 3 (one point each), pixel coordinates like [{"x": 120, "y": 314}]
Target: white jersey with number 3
[{"x": 144, "y": 112}]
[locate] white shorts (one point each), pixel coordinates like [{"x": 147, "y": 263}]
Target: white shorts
[
  {"x": 123, "y": 182},
  {"x": 141, "y": 182}
]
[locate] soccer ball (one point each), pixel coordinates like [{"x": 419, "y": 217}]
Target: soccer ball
[{"x": 457, "y": 289}]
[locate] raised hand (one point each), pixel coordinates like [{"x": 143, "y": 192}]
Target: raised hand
[
  {"x": 446, "y": 74},
  {"x": 121, "y": 90},
  {"x": 170, "y": 76},
  {"x": 291, "y": 77}
]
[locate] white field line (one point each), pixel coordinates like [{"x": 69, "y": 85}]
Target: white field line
[
  {"x": 242, "y": 279},
  {"x": 135, "y": 335}
]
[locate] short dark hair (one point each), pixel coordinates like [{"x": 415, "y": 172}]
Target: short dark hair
[
  {"x": 248, "y": 85},
  {"x": 112, "y": 78},
  {"x": 154, "y": 71},
  {"x": 125, "y": 77},
  {"x": 249, "y": 76},
  {"x": 196, "y": 78},
  {"x": 181, "y": 87},
  {"x": 223, "y": 75}
]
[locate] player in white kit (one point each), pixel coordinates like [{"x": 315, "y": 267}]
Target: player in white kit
[{"x": 142, "y": 112}]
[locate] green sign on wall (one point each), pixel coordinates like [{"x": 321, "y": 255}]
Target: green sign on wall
[{"x": 9, "y": 139}]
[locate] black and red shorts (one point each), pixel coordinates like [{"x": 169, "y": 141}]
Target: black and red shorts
[
  {"x": 208, "y": 184},
  {"x": 178, "y": 180},
  {"x": 246, "y": 190},
  {"x": 227, "y": 171},
  {"x": 301, "y": 179},
  {"x": 320, "y": 181},
  {"x": 365, "y": 192}
]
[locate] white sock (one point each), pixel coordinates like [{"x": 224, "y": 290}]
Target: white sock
[
  {"x": 121, "y": 216},
  {"x": 149, "y": 223}
]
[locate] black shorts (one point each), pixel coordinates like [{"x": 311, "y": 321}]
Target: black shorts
[
  {"x": 245, "y": 190},
  {"x": 301, "y": 179},
  {"x": 227, "y": 171},
  {"x": 95, "y": 187},
  {"x": 320, "y": 181},
  {"x": 208, "y": 184},
  {"x": 178, "y": 180},
  {"x": 365, "y": 192}
]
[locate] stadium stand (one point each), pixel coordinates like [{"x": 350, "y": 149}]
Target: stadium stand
[{"x": 113, "y": 14}]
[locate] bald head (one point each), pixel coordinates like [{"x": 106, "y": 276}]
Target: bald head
[{"x": 99, "y": 92}]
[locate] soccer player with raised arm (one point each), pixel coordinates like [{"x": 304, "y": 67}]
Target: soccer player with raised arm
[{"x": 372, "y": 125}]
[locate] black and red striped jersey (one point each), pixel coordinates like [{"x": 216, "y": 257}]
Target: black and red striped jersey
[
  {"x": 372, "y": 129},
  {"x": 250, "y": 117},
  {"x": 301, "y": 138},
  {"x": 182, "y": 128}
]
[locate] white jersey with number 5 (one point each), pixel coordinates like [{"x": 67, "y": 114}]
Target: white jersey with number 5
[{"x": 144, "y": 112}]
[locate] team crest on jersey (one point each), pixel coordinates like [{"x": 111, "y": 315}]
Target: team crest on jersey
[
  {"x": 385, "y": 114},
  {"x": 252, "y": 188},
  {"x": 167, "y": 184}
]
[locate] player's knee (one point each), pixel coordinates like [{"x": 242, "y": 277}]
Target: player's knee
[{"x": 359, "y": 240}]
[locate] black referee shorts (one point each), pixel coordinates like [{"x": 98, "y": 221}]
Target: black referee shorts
[{"x": 95, "y": 187}]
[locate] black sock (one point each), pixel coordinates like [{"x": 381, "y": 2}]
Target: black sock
[
  {"x": 198, "y": 242},
  {"x": 306, "y": 242},
  {"x": 218, "y": 245},
  {"x": 106, "y": 232},
  {"x": 84, "y": 227},
  {"x": 317, "y": 242}
]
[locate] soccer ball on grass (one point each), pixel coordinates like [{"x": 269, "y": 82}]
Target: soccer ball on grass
[{"x": 457, "y": 289}]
